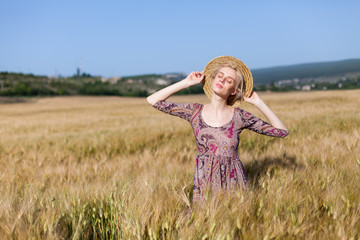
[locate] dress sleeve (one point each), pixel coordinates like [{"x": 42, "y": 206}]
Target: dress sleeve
[
  {"x": 182, "y": 110},
  {"x": 255, "y": 124}
]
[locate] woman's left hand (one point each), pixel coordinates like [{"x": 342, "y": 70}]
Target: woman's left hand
[{"x": 253, "y": 99}]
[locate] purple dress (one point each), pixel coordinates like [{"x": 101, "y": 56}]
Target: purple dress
[{"x": 218, "y": 166}]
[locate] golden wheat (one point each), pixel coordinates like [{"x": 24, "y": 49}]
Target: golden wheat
[{"x": 111, "y": 167}]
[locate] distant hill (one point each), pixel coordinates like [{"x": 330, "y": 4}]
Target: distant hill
[{"x": 308, "y": 70}]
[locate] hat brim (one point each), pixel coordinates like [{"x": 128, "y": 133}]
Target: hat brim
[{"x": 214, "y": 64}]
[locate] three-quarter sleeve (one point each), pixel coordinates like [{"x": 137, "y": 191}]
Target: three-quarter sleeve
[
  {"x": 255, "y": 124},
  {"x": 182, "y": 110}
]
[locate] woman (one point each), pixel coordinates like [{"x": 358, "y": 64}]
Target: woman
[{"x": 217, "y": 125}]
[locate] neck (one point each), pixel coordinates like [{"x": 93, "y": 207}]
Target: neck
[{"x": 218, "y": 104}]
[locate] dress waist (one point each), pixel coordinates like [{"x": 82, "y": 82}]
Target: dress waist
[{"x": 229, "y": 156}]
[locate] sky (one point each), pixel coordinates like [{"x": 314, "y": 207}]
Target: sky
[{"x": 122, "y": 38}]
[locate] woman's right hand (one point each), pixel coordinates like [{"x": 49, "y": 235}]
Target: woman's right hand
[{"x": 194, "y": 78}]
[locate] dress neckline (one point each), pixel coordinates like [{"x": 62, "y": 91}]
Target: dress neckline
[{"x": 202, "y": 119}]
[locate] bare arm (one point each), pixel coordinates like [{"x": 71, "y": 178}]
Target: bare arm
[
  {"x": 192, "y": 79},
  {"x": 255, "y": 100}
]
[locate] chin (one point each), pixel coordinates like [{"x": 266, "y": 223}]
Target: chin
[{"x": 220, "y": 94}]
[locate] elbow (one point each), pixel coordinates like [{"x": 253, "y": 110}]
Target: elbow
[
  {"x": 150, "y": 100},
  {"x": 285, "y": 132}
]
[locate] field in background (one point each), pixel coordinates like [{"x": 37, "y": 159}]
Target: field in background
[{"x": 111, "y": 167}]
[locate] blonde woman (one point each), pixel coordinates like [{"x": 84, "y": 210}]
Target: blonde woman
[{"x": 226, "y": 81}]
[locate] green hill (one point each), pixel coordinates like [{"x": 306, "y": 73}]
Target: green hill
[{"x": 267, "y": 75}]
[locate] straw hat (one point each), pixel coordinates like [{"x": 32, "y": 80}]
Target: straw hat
[{"x": 214, "y": 64}]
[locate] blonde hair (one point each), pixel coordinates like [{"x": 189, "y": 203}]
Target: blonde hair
[{"x": 239, "y": 79}]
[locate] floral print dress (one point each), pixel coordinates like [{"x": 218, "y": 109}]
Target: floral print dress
[{"x": 217, "y": 165}]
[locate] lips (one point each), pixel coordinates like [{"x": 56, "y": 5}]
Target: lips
[{"x": 219, "y": 85}]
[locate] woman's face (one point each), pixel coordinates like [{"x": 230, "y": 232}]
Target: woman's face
[{"x": 224, "y": 83}]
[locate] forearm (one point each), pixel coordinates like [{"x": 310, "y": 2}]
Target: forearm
[
  {"x": 270, "y": 115},
  {"x": 164, "y": 93}
]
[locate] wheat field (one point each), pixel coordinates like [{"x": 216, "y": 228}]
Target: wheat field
[{"x": 116, "y": 168}]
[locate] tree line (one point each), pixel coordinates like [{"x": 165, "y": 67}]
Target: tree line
[{"x": 18, "y": 84}]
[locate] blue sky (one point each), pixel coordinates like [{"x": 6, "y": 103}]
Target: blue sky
[{"x": 119, "y": 38}]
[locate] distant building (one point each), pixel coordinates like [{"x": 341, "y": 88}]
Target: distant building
[{"x": 306, "y": 88}]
